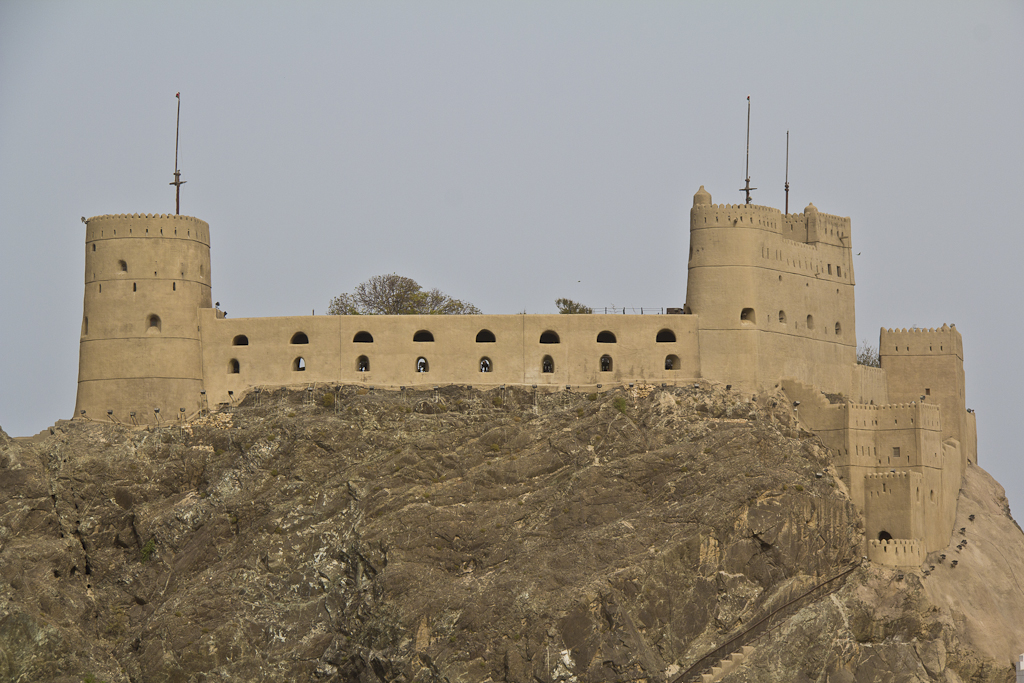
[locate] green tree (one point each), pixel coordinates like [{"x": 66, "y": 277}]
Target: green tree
[
  {"x": 396, "y": 295},
  {"x": 570, "y": 306}
]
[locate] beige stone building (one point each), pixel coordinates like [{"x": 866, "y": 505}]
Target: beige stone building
[{"x": 769, "y": 301}]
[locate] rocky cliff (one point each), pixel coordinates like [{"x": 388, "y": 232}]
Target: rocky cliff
[{"x": 462, "y": 535}]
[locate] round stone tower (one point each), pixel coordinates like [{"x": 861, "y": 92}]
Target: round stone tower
[{"x": 140, "y": 356}]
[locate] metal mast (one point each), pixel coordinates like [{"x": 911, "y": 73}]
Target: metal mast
[
  {"x": 787, "y": 172},
  {"x": 747, "y": 188},
  {"x": 178, "y": 182}
]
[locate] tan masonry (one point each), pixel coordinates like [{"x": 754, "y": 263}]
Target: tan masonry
[{"x": 769, "y": 300}]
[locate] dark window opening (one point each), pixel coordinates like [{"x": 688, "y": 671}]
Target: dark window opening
[
  {"x": 782, "y": 316},
  {"x": 299, "y": 338},
  {"x": 895, "y": 451},
  {"x": 810, "y": 322},
  {"x": 550, "y": 337},
  {"x": 830, "y": 269},
  {"x": 672, "y": 362},
  {"x": 548, "y": 364},
  {"x": 85, "y": 326},
  {"x": 362, "y": 364},
  {"x": 884, "y": 536},
  {"x": 606, "y": 337},
  {"x": 484, "y": 337},
  {"x": 94, "y": 247},
  {"x": 423, "y": 336},
  {"x": 485, "y": 364},
  {"x": 666, "y": 336},
  {"x": 174, "y": 286},
  {"x": 839, "y": 271},
  {"x": 135, "y": 287},
  {"x": 123, "y": 266},
  {"x": 299, "y": 364},
  {"x": 240, "y": 340},
  {"x": 927, "y": 392},
  {"x": 233, "y": 366},
  {"x": 839, "y": 328},
  {"x": 606, "y": 363},
  {"x": 153, "y": 323},
  {"x": 363, "y": 338},
  {"x": 422, "y": 365},
  {"x": 747, "y": 315}
]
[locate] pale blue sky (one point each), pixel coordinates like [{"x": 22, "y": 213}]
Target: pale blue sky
[{"x": 513, "y": 153}]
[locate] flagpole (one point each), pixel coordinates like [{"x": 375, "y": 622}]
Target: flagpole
[{"x": 178, "y": 182}]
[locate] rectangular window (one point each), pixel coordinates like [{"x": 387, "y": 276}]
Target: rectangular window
[
  {"x": 839, "y": 271},
  {"x": 927, "y": 392},
  {"x": 830, "y": 269},
  {"x": 895, "y": 451}
]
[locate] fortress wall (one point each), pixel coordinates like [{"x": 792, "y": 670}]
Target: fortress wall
[
  {"x": 869, "y": 385},
  {"x": 929, "y": 363},
  {"x": 901, "y": 552},
  {"x": 454, "y": 357},
  {"x": 895, "y": 504},
  {"x": 146, "y": 277}
]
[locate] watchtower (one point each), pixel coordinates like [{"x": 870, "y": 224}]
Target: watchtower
[{"x": 140, "y": 356}]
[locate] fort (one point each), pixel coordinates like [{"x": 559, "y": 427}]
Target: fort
[{"x": 769, "y": 303}]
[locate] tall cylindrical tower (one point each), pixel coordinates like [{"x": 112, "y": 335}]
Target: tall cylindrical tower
[{"x": 146, "y": 277}]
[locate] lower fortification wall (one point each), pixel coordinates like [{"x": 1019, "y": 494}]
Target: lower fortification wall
[
  {"x": 897, "y": 552},
  {"x": 410, "y": 350}
]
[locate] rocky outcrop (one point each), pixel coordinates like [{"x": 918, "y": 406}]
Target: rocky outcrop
[{"x": 457, "y": 535}]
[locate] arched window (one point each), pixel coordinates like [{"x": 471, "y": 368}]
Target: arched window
[
  {"x": 153, "y": 323},
  {"x": 422, "y": 365},
  {"x": 884, "y": 536},
  {"x": 485, "y": 364},
  {"x": 672, "y": 362},
  {"x": 233, "y": 366},
  {"x": 299, "y": 364},
  {"x": 548, "y": 364},
  {"x": 810, "y": 322},
  {"x": 747, "y": 315},
  {"x": 240, "y": 340},
  {"x": 606, "y": 337},
  {"x": 299, "y": 338},
  {"x": 782, "y": 316},
  {"x": 363, "y": 338},
  {"x": 423, "y": 336},
  {"x": 484, "y": 337},
  {"x": 550, "y": 337},
  {"x": 606, "y": 363},
  {"x": 122, "y": 266},
  {"x": 666, "y": 336},
  {"x": 362, "y": 364},
  {"x": 839, "y": 328}
]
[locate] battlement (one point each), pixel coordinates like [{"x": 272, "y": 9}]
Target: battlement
[
  {"x": 896, "y": 552},
  {"x": 143, "y": 225},
  {"x": 919, "y": 341},
  {"x": 887, "y": 477}
]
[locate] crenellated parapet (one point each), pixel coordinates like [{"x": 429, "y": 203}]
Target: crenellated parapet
[
  {"x": 896, "y": 552},
  {"x": 919, "y": 341},
  {"x": 152, "y": 225}
]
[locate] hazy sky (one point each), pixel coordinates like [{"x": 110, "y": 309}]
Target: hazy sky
[{"x": 513, "y": 153}]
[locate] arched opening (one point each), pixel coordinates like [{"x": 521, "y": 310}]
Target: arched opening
[
  {"x": 423, "y": 336},
  {"x": 240, "y": 340},
  {"x": 666, "y": 336},
  {"x": 672, "y": 362},
  {"x": 884, "y": 536},
  {"x": 233, "y": 366},
  {"x": 839, "y": 328},
  {"x": 153, "y": 323},
  {"x": 422, "y": 365},
  {"x": 299, "y": 364},
  {"x": 606, "y": 337},
  {"x": 747, "y": 316},
  {"x": 485, "y": 364},
  {"x": 550, "y": 337},
  {"x": 362, "y": 364},
  {"x": 299, "y": 338},
  {"x": 122, "y": 266},
  {"x": 547, "y": 365},
  {"x": 85, "y": 326},
  {"x": 363, "y": 338},
  {"x": 485, "y": 337},
  {"x": 606, "y": 363},
  {"x": 810, "y": 322},
  {"x": 782, "y": 317}
]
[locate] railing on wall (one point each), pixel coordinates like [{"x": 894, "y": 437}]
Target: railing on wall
[{"x": 754, "y": 631}]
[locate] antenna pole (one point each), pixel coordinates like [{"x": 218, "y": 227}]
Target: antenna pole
[
  {"x": 747, "y": 188},
  {"x": 178, "y": 182},
  {"x": 787, "y": 172}
]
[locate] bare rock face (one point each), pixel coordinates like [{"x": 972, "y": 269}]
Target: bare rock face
[{"x": 458, "y": 535}]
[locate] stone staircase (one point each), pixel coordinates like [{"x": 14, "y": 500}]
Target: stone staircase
[
  {"x": 727, "y": 665},
  {"x": 49, "y": 431}
]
